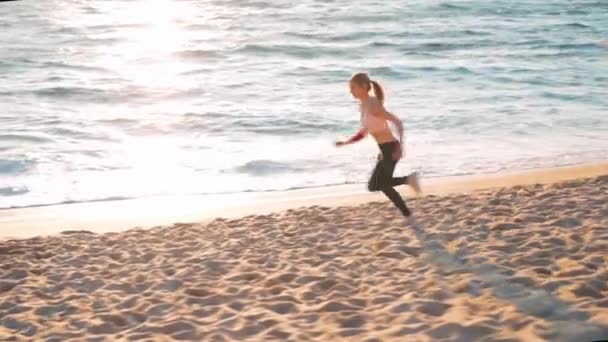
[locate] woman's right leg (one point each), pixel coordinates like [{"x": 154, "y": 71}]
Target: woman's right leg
[
  {"x": 372, "y": 184},
  {"x": 382, "y": 180},
  {"x": 386, "y": 182}
]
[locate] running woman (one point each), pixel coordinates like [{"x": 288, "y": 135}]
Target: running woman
[{"x": 374, "y": 121}]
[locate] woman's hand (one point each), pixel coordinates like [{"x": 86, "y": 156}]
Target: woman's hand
[{"x": 360, "y": 135}]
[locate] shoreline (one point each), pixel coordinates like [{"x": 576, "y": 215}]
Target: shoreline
[{"x": 120, "y": 215}]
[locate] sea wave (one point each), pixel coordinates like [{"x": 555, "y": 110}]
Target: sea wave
[{"x": 15, "y": 167}]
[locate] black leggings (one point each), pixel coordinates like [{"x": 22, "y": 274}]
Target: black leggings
[{"x": 382, "y": 177}]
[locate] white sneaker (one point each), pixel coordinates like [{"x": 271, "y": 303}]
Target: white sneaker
[{"x": 414, "y": 182}]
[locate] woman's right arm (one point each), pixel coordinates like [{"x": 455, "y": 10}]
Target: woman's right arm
[{"x": 360, "y": 135}]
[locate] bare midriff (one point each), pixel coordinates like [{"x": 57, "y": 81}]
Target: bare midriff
[{"x": 383, "y": 136}]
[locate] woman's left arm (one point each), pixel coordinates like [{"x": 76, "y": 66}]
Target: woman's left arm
[
  {"x": 383, "y": 113},
  {"x": 394, "y": 119}
]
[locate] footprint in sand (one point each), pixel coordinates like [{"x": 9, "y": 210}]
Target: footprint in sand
[
  {"x": 432, "y": 308},
  {"x": 353, "y": 322},
  {"x": 459, "y": 332},
  {"x": 283, "y": 308},
  {"x": 6, "y": 286},
  {"x": 19, "y": 327}
]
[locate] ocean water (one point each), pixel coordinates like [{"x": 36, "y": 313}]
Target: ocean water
[{"x": 125, "y": 99}]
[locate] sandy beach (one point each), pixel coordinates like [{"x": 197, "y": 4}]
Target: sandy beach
[
  {"x": 177, "y": 171},
  {"x": 513, "y": 263}
]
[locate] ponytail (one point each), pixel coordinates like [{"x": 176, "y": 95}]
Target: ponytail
[
  {"x": 363, "y": 80},
  {"x": 378, "y": 91}
]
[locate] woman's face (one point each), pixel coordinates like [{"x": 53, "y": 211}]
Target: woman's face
[{"x": 357, "y": 90}]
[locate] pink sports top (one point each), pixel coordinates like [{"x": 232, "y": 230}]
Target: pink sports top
[{"x": 372, "y": 123}]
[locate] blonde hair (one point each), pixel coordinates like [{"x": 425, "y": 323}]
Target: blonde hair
[{"x": 363, "y": 80}]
